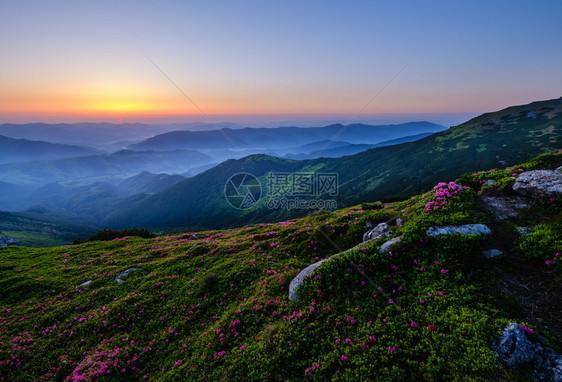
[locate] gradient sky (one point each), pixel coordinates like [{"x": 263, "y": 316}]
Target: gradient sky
[{"x": 90, "y": 60}]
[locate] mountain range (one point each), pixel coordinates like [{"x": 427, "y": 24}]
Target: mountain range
[
  {"x": 23, "y": 150},
  {"x": 149, "y": 189},
  {"x": 281, "y": 137},
  {"x": 497, "y": 139},
  {"x": 120, "y": 165}
]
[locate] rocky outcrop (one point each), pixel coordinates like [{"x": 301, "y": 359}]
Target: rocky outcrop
[
  {"x": 5, "y": 241},
  {"x": 539, "y": 183},
  {"x": 524, "y": 231},
  {"x": 467, "y": 229},
  {"x": 86, "y": 283},
  {"x": 513, "y": 348},
  {"x": 124, "y": 274},
  {"x": 381, "y": 230},
  {"x": 387, "y": 245},
  {"x": 489, "y": 253},
  {"x": 299, "y": 279},
  {"x": 504, "y": 207}
]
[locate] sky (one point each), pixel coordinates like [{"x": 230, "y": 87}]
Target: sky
[{"x": 176, "y": 61}]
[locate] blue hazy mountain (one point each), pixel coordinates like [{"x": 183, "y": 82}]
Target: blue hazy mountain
[
  {"x": 23, "y": 150},
  {"x": 328, "y": 149},
  {"x": 281, "y": 137},
  {"x": 121, "y": 164}
]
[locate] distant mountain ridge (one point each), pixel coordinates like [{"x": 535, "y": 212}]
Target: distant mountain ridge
[
  {"x": 120, "y": 164},
  {"x": 105, "y": 136},
  {"x": 497, "y": 139},
  {"x": 22, "y": 150},
  {"x": 281, "y": 137},
  {"x": 344, "y": 148}
]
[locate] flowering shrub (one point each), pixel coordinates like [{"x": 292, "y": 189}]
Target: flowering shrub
[{"x": 544, "y": 244}]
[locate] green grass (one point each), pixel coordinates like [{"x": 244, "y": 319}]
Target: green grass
[{"x": 216, "y": 307}]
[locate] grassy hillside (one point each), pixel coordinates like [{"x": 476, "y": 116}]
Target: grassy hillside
[
  {"x": 498, "y": 139},
  {"x": 35, "y": 229},
  {"x": 215, "y": 306}
]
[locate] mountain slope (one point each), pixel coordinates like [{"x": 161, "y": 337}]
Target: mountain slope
[
  {"x": 23, "y": 150},
  {"x": 148, "y": 182},
  {"x": 509, "y": 136},
  {"x": 215, "y": 305},
  {"x": 352, "y": 149},
  {"x": 40, "y": 227}
]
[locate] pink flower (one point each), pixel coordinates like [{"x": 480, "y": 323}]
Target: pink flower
[
  {"x": 431, "y": 327},
  {"x": 548, "y": 262},
  {"x": 391, "y": 349},
  {"x": 343, "y": 357},
  {"x": 413, "y": 324},
  {"x": 242, "y": 348}
]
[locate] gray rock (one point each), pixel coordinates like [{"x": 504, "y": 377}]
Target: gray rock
[
  {"x": 504, "y": 207},
  {"x": 124, "y": 274},
  {"x": 513, "y": 347},
  {"x": 538, "y": 183},
  {"x": 387, "y": 245},
  {"x": 559, "y": 169},
  {"x": 524, "y": 231},
  {"x": 467, "y": 229},
  {"x": 299, "y": 279},
  {"x": 381, "y": 230},
  {"x": 557, "y": 370},
  {"x": 86, "y": 283},
  {"x": 489, "y": 182},
  {"x": 492, "y": 253},
  {"x": 400, "y": 222}
]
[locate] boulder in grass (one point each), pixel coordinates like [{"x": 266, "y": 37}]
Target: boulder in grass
[
  {"x": 539, "y": 183},
  {"x": 467, "y": 229},
  {"x": 299, "y": 279},
  {"x": 512, "y": 347},
  {"x": 387, "y": 245},
  {"x": 381, "y": 230},
  {"x": 124, "y": 274}
]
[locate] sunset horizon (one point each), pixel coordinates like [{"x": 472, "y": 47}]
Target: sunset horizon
[{"x": 106, "y": 62}]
